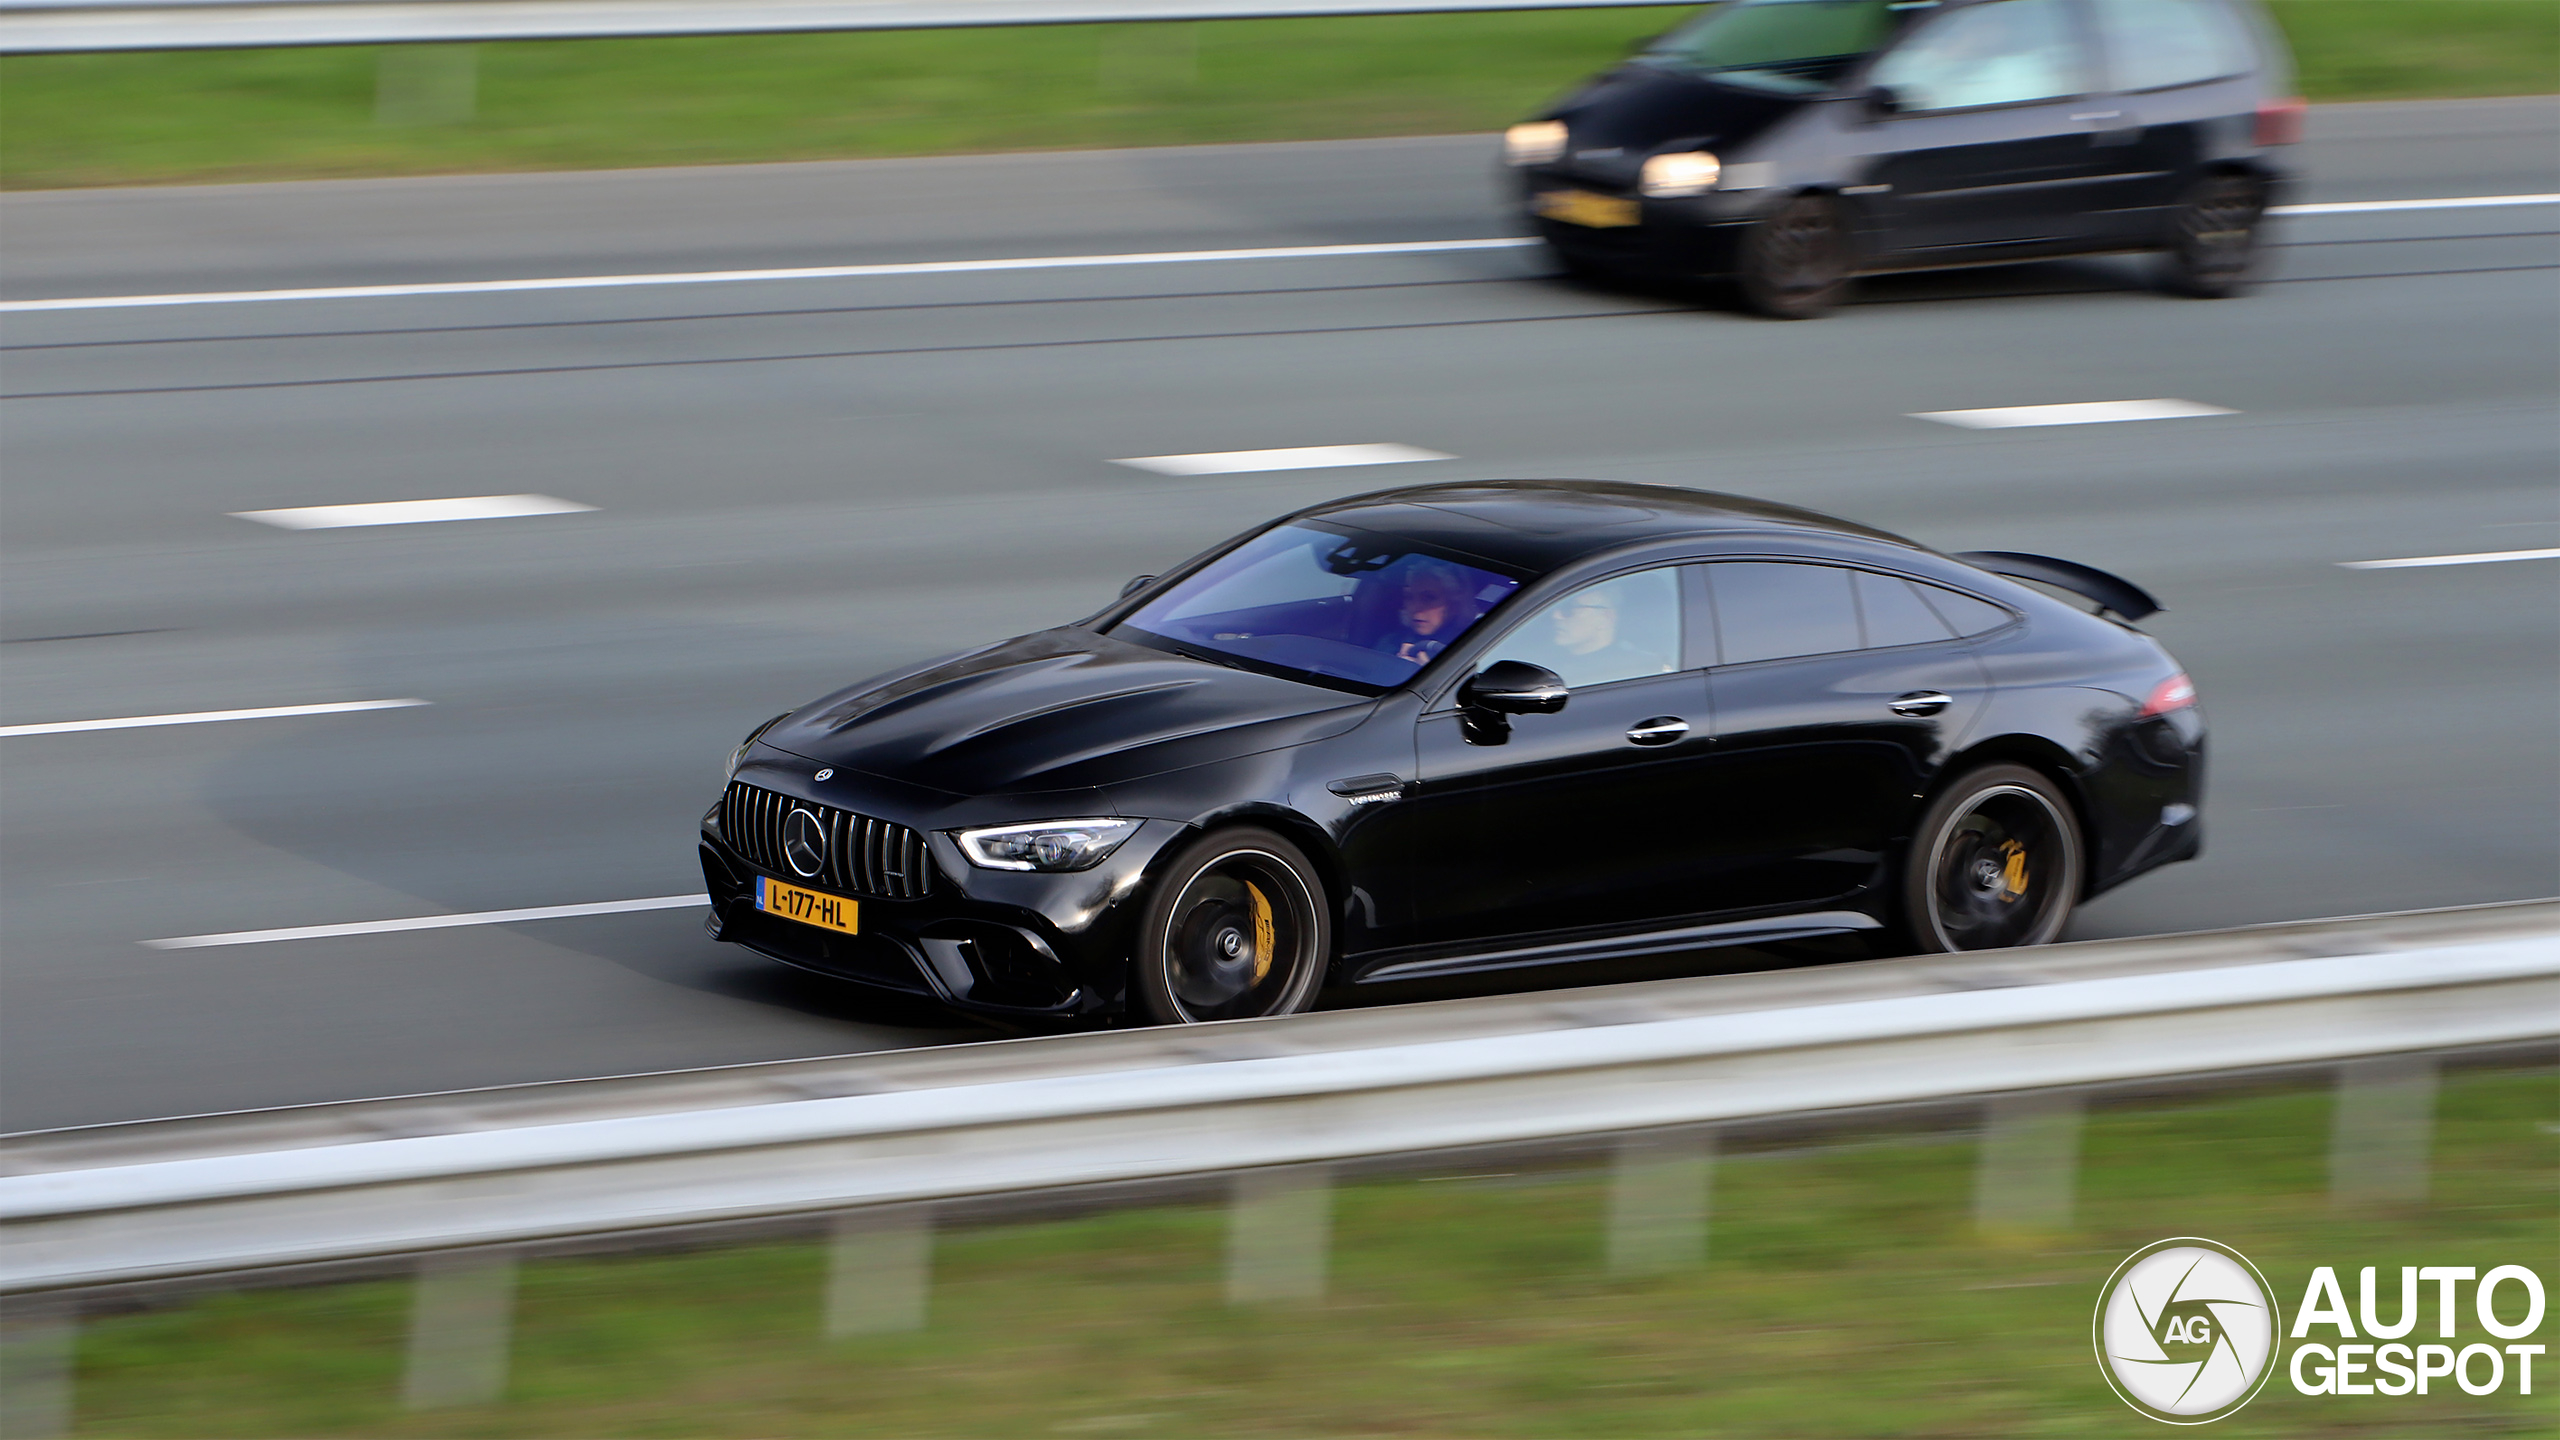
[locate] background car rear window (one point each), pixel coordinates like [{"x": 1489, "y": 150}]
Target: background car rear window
[
  {"x": 1769, "y": 610},
  {"x": 2004, "y": 53},
  {"x": 2154, "y": 44},
  {"x": 1343, "y": 605},
  {"x": 1616, "y": 630}
]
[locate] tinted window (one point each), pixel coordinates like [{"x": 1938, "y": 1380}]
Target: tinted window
[
  {"x": 1765, "y": 611},
  {"x": 1615, "y": 630},
  {"x": 1789, "y": 46},
  {"x": 1339, "y": 605},
  {"x": 1895, "y": 613},
  {"x": 1968, "y": 615},
  {"x": 1998, "y": 54},
  {"x": 2155, "y": 43}
]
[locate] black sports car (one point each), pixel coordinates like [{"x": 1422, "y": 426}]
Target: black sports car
[{"x": 1469, "y": 727}]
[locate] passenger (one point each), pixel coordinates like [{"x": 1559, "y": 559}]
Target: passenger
[
  {"x": 1434, "y": 611},
  {"x": 1586, "y": 630}
]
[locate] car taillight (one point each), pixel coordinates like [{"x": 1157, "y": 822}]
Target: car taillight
[
  {"x": 2280, "y": 121},
  {"x": 2175, "y": 693}
]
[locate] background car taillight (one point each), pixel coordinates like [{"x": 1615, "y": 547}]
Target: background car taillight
[
  {"x": 2280, "y": 121},
  {"x": 2175, "y": 693}
]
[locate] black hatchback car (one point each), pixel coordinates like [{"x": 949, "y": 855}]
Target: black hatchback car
[
  {"x": 1793, "y": 144},
  {"x": 1460, "y": 728}
]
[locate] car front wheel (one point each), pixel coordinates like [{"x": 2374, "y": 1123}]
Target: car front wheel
[
  {"x": 1996, "y": 861},
  {"x": 1795, "y": 264},
  {"x": 1238, "y": 928},
  {"x": 2214, "y": 237}
]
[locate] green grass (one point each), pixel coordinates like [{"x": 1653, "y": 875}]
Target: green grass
[
  {"x": 1844, "y": 1295},
  {"x": 275, "y": 114}
]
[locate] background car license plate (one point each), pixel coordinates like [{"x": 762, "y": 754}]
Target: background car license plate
[
  {"x": 1581, "y": 207},
  {"x": 827, "y": 912}
]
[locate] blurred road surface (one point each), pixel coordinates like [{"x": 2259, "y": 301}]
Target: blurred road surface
[{"x": 800, "y": 483}]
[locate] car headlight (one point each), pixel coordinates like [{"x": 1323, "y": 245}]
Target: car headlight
[
  {"x": 1534, "y": 143},
  {"x": 738, "y": 756},
  {"x": 1045, "y": 844},
  {"x": 1692, "y": 172}
]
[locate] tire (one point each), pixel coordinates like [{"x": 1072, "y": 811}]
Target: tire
[
  {"x": 1795, "y": 264},
  {"x": 1238, "y": 927},
  {"x": 2214, "y": 240},
  {"x": 1996, "y": 861}
]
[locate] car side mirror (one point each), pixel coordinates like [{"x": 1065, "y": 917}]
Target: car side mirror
[
  {"x": 1514, "y": 687},
  {"x": 1883, "y": 102},
  {"x": 1136, "y": 584}
]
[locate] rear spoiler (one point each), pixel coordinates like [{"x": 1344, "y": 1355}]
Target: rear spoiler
[{"x": 2111, "y": 592}]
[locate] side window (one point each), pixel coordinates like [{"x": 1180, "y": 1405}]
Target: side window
[
  {"x": 1968, "y": 615},
  {"x": 1768, "y": 610},
  {"x": 2004, "y": 53},
  {"x": 1895, "y": 614},
  {"x": 2154, "y": 44},
  {"x": 1615, "y": 630}
]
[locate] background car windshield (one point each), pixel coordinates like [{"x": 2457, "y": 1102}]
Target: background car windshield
[
  {"x": 1339, "y": 606},
  {"x": 1793, "y": 47}
]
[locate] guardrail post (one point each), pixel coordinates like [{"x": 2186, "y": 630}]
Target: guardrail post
[
  {"x": 2382, "y": 1131},
  {"x": 1658, "y": 1189},
  {"x": 38, "y": 1341},
  {"x": 426, "y": 84},
  {"x": 879, "y": 1271},
  {"x": 460, "y": 1322},
  {"x": 1279, "y": 1227},
  {"x": 2024, "y": 1179}
]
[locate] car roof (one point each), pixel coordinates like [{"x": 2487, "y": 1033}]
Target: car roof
[{"x": 1543, "y": 525}]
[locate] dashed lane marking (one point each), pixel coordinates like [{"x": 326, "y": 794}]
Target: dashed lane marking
[
  {"x": 2485, "y": 557},
  {"x": 1303, "y": 457},
  {"x": 2094, "y": 412},
  {"x": 206, "y": 717},
  {"x": 412, "y": 512},
  {"x": 428, "y": 922}
]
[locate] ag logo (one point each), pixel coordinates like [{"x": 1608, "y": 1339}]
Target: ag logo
[{"x": 2185, "y": 1331}]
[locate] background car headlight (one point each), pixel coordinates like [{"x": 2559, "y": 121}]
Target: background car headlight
[
  {"x": 1534, "y": 143},
  {"x": 1045, "y": 845},
  {"x": 738, "y": 756},
  {"x": 1691, "y": 172}
]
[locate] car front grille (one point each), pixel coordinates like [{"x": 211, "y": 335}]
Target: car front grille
[{"x": 864, "y": 856}]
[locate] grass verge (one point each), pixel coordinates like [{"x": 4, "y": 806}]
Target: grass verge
[
  {"x": 1845, "y": 1294},
  {"x": 124, "y": 119}
]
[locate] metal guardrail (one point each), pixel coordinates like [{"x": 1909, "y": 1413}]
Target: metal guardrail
[
  {"x": 227, "y": 1194},
  {"x": 47, "y": 26}
]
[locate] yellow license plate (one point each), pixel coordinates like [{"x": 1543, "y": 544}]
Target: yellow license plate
[
  {"x": 1581, "y": 207},
  {"x": 809, "y": 907}
]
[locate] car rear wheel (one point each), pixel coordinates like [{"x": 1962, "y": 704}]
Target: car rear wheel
[
  {"x": 1238, "y": 928},
  {"x": 1996, "y": 862},
  {"x": 1795, "y": 264},
  {"x": 2214, "y": 245}
]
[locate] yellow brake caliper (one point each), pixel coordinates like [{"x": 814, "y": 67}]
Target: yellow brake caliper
[
  {"x": 1262, "y": 942},
  {"x": 2013, "y": 876}
]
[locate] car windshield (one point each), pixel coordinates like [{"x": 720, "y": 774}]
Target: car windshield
[
  {"x": 1792, "y": 47},
  {"x": 1339, "y": 607}
]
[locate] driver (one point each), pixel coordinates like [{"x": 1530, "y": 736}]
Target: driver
[{"x": 1431, "y": 612}]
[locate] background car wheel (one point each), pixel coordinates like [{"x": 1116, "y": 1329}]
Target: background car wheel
[
  {"x": 1995, "y": 862},
  {"x": 2214, "y": 237},
  {"x": 1795, "y": 264},
  {"x": 1238, "y": 928}
]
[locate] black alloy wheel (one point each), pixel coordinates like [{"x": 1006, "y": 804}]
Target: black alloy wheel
[
  {"x": 1796, "y": 263},
  {"x": 1238, "y": 928},
  {"x": 1996, "y": 862},
  {"x": 2214, "y": 242}
]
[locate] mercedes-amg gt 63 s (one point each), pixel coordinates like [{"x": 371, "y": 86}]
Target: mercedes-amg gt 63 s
[{"x": 1474, "y": 727}]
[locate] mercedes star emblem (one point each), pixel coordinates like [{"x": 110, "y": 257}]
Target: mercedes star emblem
[
  {"x": 826, "y": 774},
  {"x": 804, "y": 843}
]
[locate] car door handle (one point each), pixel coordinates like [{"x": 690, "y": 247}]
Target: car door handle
[
  {"x": 1660, "y": 730},
  {"x": 1920, "y": 702}
]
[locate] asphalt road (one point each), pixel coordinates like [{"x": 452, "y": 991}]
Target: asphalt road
[{"x": 797, "y": 483}]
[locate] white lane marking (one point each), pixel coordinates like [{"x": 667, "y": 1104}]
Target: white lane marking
[
  {"x": 2094, "y": 412},
  {"x": 1304, "y": 457},
  {"x": 428, "y": 922},
  {"x": 2485, "y": 557},
  {"x": 731, "y": 277},
  {"x": 206, "y": 717},
  {"x": 968, "y": 267},
  {"x": 411, "y": 512}
]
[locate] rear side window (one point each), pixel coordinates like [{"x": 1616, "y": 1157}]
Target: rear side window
[
  {"x": 1895, "y": 613},
  {"x": 1770, "y": 610},
  {"x": 2154, "y": 44},
  {"x": 1968, "y": 615},
  {"x": 2008, "y": 52}
]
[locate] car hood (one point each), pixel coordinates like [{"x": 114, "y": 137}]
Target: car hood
[
  {"x": 1062, "y": 709},
  {"x": 1639, "y": 109}
]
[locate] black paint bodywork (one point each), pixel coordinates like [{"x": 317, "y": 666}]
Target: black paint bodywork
[
  {"x": 2087, "y": 174},
  {"x": 1781, "y": 813}
]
